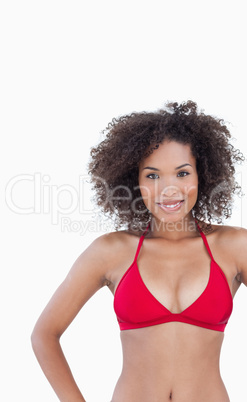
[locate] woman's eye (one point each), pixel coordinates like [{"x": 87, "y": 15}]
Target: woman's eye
[
  {"x": 183, "y": 174},
  {"x": 150, "y": 176}
]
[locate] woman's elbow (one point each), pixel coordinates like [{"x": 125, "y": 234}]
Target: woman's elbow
[
  {"x": 41, "y": 338},
  {"x": 37, "y": 339}
]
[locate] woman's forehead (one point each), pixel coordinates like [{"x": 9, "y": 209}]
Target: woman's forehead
[{"x": 170, "y": 152}]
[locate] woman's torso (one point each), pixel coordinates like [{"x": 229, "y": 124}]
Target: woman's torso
[{"x": 173, "y": 360}]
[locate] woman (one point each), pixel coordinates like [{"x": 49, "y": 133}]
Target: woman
[{"x": 166, "y": 176}]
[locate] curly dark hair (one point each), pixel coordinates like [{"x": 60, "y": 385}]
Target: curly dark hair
[{"x": 114, "y": 163}]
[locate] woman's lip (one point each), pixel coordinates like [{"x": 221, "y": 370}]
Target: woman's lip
[
  {"x": 173, "y": 202},
  {"x": 170, "y": 206}
]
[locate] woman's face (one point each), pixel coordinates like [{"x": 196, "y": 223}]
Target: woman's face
[{"x": 168, "y": 181}]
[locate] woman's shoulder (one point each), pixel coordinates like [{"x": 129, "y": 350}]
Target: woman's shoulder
[
  {"x": 236, "y": 237},
  {"x": 234, "y": 241},
  {"x": 119, "y": 236},
  {"x": 231, "y": 241},
  {"x": 114, "y": 245},
  {"x": 228, "y": 239},
  {"x": 231, "y": 233}
]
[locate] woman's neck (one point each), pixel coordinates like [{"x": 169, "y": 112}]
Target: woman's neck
[{"x": 186, "y": 227}]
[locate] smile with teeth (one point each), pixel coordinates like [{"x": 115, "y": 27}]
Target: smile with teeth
[
  {"x": 174, "y": 206},
  {"x": 171, "y": 205}
]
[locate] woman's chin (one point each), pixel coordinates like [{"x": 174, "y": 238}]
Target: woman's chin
[{"x": 172, "y": 218}]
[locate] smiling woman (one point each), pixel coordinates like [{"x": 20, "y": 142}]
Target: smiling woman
[
  {"x": 132, "y": 138},
  {"x": 171, "y": 192},
  {"x": 172, "y": 272}
]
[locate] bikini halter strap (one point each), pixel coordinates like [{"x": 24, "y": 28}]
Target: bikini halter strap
[
  {"x": 199, "y": 229},
  {"x": 141, "y": 241},
  {"x": 204, "y": 240}
]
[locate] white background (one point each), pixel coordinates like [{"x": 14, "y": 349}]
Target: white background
[{"x": 68, "y": 68}]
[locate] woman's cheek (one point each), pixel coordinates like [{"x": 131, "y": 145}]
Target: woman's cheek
[
  {"x": 147, "y": 194},
  {"x": 191, "y": 194}
]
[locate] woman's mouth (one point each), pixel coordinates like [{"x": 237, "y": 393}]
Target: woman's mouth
[{"x": 170, "y": 206}]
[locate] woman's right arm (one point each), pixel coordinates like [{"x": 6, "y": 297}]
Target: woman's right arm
[{"x": 87, "y": 275}]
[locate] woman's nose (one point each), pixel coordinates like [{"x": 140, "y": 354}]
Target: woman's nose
[{"x": 170, "y": 191}]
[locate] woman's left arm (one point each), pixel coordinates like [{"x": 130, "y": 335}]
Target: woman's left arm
[{"x": 240, "y": 252}]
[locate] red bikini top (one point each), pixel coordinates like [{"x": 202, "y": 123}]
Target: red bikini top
[{"x": 136, "y": 307}]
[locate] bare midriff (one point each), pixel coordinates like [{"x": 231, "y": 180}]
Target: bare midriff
[{"x": 171, "y": 362}]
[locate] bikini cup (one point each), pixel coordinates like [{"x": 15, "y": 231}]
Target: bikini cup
[{"x": 136, "y": 307}]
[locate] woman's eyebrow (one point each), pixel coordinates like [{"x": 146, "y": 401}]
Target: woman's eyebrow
[
  {"x": 151, "y": 168},
  {"x": 179, "y": 167}
]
